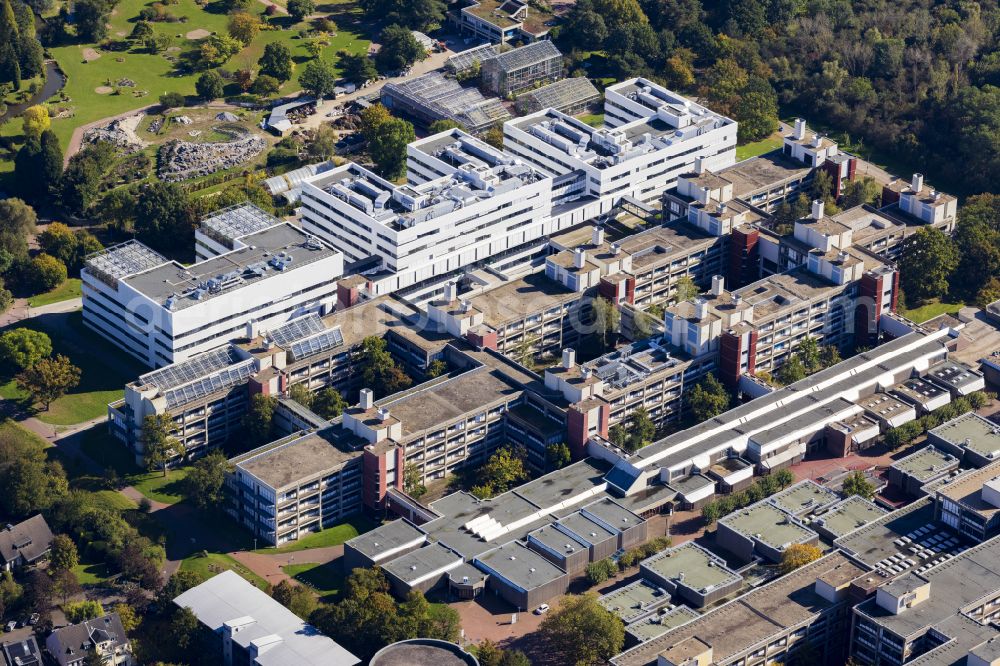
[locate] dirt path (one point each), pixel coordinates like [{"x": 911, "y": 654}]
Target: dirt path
[{"x": 268, "y": 565}]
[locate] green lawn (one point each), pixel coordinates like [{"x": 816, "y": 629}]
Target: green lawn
[
  {"x": 21, "y": 437},
  {"x": 215, "y": 563},
  {"x": 159, "y": 488},
  {"x": 325, "y": 579},
  {"x": 113, "y": 500},
  {"x": 155, "y": 74},
  {"x": 593, "y": 119},
  {"x": 755, "y": 148},
  {"x": 67, "y": 290},
  {"x": 90, "y": 573},
  {"x": 101, "y": 382},
  {"x": 932, "y": 309},
  {"x": 332, "y": 536}
]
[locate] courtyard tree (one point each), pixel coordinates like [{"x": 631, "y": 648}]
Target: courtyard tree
[
  {"x": 259, "y": 418},
  {"x": 158, "y": 441},
  {"x": 798, "y": 555},
  {"x": 857, "y": 484},
  {"x": 929, "y": 258},
  {"x": 205, "y": 480},
  {"x": 607, "y": 318},
  {"x": 387, "y": 139},
  {"x": 502, "y": 471},
  {"x": 413, "y": 482},
  {"x": 708, "y": 398},
  {"x": 558, "y": 455},
  {"x": 583, "y": 631},
  {"x": 328, "y": 403},
  {"x": 49, "y": 379}
]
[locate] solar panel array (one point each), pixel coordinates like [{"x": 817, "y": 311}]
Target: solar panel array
[
  {"x": 328, "y": 339},
  {"x": 296, "y": 329},
  {"x": 190, "y": 370},
  {"x": 227, "y": 378}
]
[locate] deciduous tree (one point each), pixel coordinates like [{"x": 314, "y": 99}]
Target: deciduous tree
[
  {"x": 23, "y": 347},
  {"x": 798, "y": 555},
  {"x": 49, "y": 379},
  {"x": 276, "y": 61},
  {"x": 158, "y": 441},
  {"x": 709, "y": 398},
  {"x": 583, "y": 631}
]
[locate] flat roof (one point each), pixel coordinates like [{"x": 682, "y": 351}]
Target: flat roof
[
  {"x": 850, "y": 514},
  {"x": 762, "y": 172},
  {"x": 692, "y": 566},
  {"x": 973, "y": 432},
  {"x": 432, "y": 407},
  {"x": 184, "y": 286},
  {"x": 918, "y": 390},
  {"x": 520, "y": 565},
  {"x": 514, "y": 300},
  {"x": 955, "y": 583},
  {"x": 664, "y": 243},
  {"x": 634, "y": 600},
  {"x": 967, "y": 489},
  {"x": 386, "y": 537},
  {"x": 927, "y": 463},
  {"x": 660, "y": 623},
  {"x": 955, "y": 375},
  {"x": 585, "y": 529},
  {"x": 613, "y": 514},
  {"x": 421, "y": 562},
  {"x": 803, "y": 497},
  {"x": 755, "y": 617},
  {"x": 557, "y": 541},
  {"x": 284, "y": 463},
  {"x": 554, "y": 488},
  {"x": 883, "y": 405},
  {"x": 766, "y": 523},
  {"x": 876, "y": 541}
]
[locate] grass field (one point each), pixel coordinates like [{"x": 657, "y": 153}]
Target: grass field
[
  {"x": 932, "y": 309},
  {"x": 21, "y": 437},
  {"x": 755, "y": 148},
  {"x": 210, "y": 564},
  {"x": 91, "y": 573},
  {"x": 155, "y": 74},
  {"x": 332, "y": 536},
  {"x": 101, "y": 381},
  {"x": 327, "y": 580},
  {"x": 159, "y": 488},
  {"x": 593, "y": 119},
  {"x": 67, "y": 290}
]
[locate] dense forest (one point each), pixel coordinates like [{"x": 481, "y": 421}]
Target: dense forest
[{"x": 915, "y": 80}]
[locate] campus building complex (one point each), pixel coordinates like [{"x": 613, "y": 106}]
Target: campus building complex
[{"x": 162, "y": 312}]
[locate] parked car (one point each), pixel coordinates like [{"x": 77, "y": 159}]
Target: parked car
[
  {"x": 10, "y": 626},
  {"x": 33, "y": 620},
  {"x": 542, "y": 610}
]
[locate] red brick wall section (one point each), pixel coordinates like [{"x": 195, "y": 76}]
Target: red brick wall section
[
  {"x": 742, "y": 257},
  {"x": 608, "y": 289},
  {"x": 889, "y": 196},
  {"x": 346, "y": 296},
  {"x": 256, "y": 387},
  {"x": 730, "y": 346},
  {"x": 752, "y": 354},
  {"x": 485, "y": 341},
  {"x": 630, "y": 290},
  {"x": 373, "y": 482},
  {"x": 400, "y": 464},
  {"x": 576, "y": 433}
]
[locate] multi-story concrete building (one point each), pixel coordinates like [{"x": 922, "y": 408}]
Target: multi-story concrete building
[
  {"x": 917, "y": 201},
  {"x": 502, "y": 21},
  {"x": 804, "y": 612},
  {"x": 295, "y": 485},
  {"x": 970, "y": 503},
  {"x": 973, "y": 438},
  {"x": 161, "y": 312},
  {"x": 525, "y": 67},
  {"x": 945, "y": 610}
]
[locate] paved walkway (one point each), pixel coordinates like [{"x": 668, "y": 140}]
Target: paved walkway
[
  {"x": 21, "y": 310},
  {"x": 268, "y": 565}
]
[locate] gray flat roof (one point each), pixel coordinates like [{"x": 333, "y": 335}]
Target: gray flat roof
[
  {"x": 185, "y": 282},
  {"x": 874, "y": 542},
  {"x": 927, "y": 463},
  {"x": 660, "y": 623},
  {"x": 555, "y": 487},
  {"x": 585, "y": 529},
  {"x": 421, "y": 562},
  {"x": 520, "y": 565},
  {"x": 918, "y": 390},
  {"x": 851, "y": 514},
  {"x": 762, "y": 172},
  {"x": 767, "y": 524},
  {"x": 953, "y": 374},
  {"x": 692, "y": 566},
  {"x": 967, "y": 489},
  {"x": 557, "y": 541},
  {"x": 386, "y": 537},
  {"x": 803, "y": 497},
  {"x": 955, "y": 583},
  {"x": 634, "y": 600},
  {"x": 284, "y": 463},
  {"x": 973, "y": 432},
  {"x": 755, "y": 617},
  {"x": 613, "y": 514}
]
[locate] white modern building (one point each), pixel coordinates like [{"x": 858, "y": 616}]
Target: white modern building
[
  {"x": 467, "y": 204},
  {"x": 161, "y": 311}
]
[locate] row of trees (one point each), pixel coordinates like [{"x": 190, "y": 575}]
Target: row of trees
[
  {"x": 762, "y": 487},
  {"x": 965, "y": 266}
]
